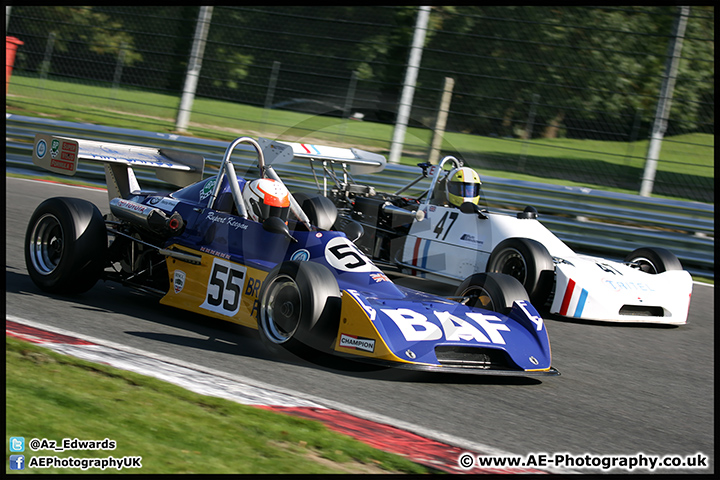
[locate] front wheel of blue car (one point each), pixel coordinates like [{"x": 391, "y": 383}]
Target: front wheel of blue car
[{"x": 299, "y": 307}]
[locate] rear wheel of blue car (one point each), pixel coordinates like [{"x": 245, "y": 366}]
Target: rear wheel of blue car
[
  {"x": 529, "y": 262},
  {"x": 654, "y": 260},
  {"x": 492, "y": 291},
  {"x": 65, "y": 245},
  {"x": 299, "y": 308}
]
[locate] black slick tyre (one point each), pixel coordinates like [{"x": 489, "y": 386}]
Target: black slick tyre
[
  {"x": 299, "y": 308},
  {"x": 66, "y": 245},
  {"x": 321, "y": 211},
  {"x": 492, "y": 291},
  {"x": 654, "y": 260},
  {"x": 529, "y": 262}
]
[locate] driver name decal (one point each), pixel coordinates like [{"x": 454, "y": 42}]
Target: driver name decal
[{"x": 224, "y": 219}]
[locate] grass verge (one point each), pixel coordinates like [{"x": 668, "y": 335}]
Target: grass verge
[{"x": 54, "y": 396}]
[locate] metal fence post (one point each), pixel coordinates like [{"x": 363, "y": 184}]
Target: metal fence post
[
  {"x": 439, "y": 131},
  {"x": 193, "y": 71},
  {"x": 348, "y": 103},
  {"x": 119, "y": 68},
  {"x": 633, "y": 136},
  {"x": 528, "y": 132},
  {"x": 47, "y": 58},
  {"x": 409, "y": 85},
  {"x": 664, "y": 101},
  {"x": 271, "y": 89}
]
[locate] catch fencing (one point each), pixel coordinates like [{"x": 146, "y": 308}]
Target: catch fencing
[
  {"x": 590, "y": 221},
  {"x": 570, "y": 93}
]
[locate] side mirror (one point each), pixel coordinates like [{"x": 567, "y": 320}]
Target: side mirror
[
  {"x": 469, "y": 207},
  {"x": 352, "y": 229},
  {"x": 424, "y": 166},
  {"x": 276, "y": 225},
  {"x": 529, "y": 213}
]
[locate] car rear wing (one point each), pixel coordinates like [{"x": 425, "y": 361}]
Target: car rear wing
[
  {"x": 61, "y": 155},
  {"x": 360, "y": 162}
]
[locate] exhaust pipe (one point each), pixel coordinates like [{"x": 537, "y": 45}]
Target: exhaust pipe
[
  {"x": 149, "y": 218},
  {"x": 389, "y": 208}
]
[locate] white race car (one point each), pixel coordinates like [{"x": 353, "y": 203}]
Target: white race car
[{"x": 427, "y": 236}]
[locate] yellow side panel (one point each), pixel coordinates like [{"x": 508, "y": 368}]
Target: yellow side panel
[
  {"x": 357, "y": 333},
  {"x": 216, "y": 288}
]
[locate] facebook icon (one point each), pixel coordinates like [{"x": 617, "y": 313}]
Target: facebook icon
[{"x": 17, "y": 462}]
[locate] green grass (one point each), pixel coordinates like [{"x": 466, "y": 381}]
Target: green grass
[
  {"x": 685, "y": 168},
  {"x": 53, "y": 396}
]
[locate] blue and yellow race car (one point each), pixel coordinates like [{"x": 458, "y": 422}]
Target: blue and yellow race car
[{"x": 247, "y": 251}]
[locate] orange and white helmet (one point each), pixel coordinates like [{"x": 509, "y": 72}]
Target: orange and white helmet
[
  {"x": 463, "y": 185},
  {"x": 265, "y": 198}
]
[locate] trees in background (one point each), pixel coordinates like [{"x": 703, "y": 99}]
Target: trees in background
[{"x": 589, "y": 72}]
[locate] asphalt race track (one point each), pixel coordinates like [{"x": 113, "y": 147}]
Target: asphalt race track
[{"x": 624, "y": 389}]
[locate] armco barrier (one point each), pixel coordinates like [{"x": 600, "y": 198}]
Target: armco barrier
[{"x": 592, "y": 221}]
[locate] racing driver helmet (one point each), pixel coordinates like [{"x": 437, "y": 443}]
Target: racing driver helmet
[
  {"x": 266, "y": 198},
  {"x": 463, "y": 185}
]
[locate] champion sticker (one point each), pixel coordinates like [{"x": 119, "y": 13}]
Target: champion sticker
[{"x": 358, "y": 343}]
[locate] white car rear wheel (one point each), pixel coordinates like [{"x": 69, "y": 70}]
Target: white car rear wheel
[
  {"x": 529, "y": 262},
  {"x": 492, "y": 291}
]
